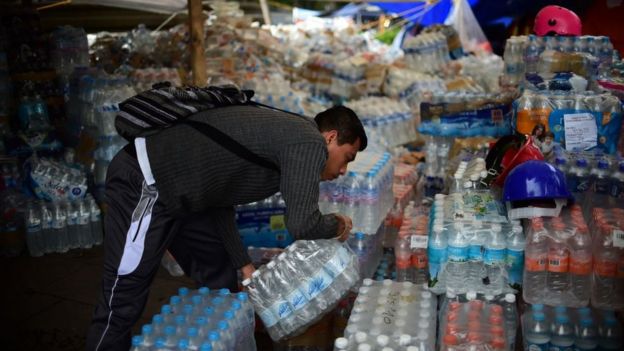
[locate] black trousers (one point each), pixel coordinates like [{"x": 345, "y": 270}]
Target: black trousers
[{"x": 138, "y": 230}]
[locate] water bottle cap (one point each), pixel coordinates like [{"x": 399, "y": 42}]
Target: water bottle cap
[
  {"x": 201, "y": 321},
  {"x": 224, "y": 292},
  {"x": 165, "y": 309},
  {"x": 562, "y": 318},
  {"x": 539, "y": 316},
  {"x": 147, "y": 329},
  {"x": 467, "y": 185},
  {"x": 489, "y": 297},
  {"x": 474, "y": 177},
  {"x": 180, "y": 319},
  {"x": 281, "y": 256},
  {"x": 400, "y": 323},
  {"x": 438, "y": 229},
  {"x": 242, "y": 296},
  {"x": 587, "y": 322},
  {"x": 208, "y": 311},
  {"x": 510, "y": 298},
  {"x": 450, "y": 295},
  {"x": 192, "y": 332},
  {"x": 561, "y": 310},
  {"x": 560, "y": 161},
  {"x": 137, "y": 340},
  {"x": 170, "y": 330},
  {"x": 183, "y": 291},
  {"x": 213, "y": 336},
  {"x": 412, "y": 348},
  {"x": 383, "y": 340},
  {"x": 425, "y": 314},
  {"x": 206, "y": 347},
  {"x": 360, "y": 337},
  {"x": 236, "y": 305},
  {"x": 183, "y": 344},
  {"x": 271, "y": 265},
  {"x": 197, "y": 299},
  {"x": 188, "y": 309},
  {"x": 471, "y": 295},
  {"x": 204, "y": 290},
  {"x": 407, "y": 285},
  {"x": 247, "y": 281},
  {"x": 160, "y": 343},
  {"x": 367, "y": 282},
  {"x": 439, "y": 196},
  {"x": 423, "y": 324},
  {"x": 364, "y": 290},
  {"x": 387, "y": 282},
  {"x": 360, "y": 236},
  {"x": 158, "y": 319},
  {"x": 581, "y": 162},
  {"x": 364, "y": 347},
  {"x": 175, "y": 300},
  {"x": 341, "y": 343},
  {"x": 603, "y": 164},
  {"x": 228, "y": 315},
  {"x": 404, "y": 339},
  {"x": 223, "y": 325},
  {"x": 537, "y": 307}
]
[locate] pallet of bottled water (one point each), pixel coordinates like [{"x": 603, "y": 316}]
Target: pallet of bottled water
[
  {"x": 304, "y": 283},
  {"x": 204, "y": 320},
  {"x": 478, "y": 322},
  {"x": 472, "y": 246},
  {"x": 558, "y": 263},
  {"x": 387, "y": 314},
  {"x": 560, "y": 328}
]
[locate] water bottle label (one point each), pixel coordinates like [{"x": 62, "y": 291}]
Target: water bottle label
[
  {"x": 605, "y": 268},
  {"x": 515, "y": 258},
  {"x": 580, "y": 265},
  {"x": 558, "y": 263},
  {"x": 318, "y": 283},
  {"x": 281, "y": 309},
  {"x": 297, "y": 299},
  {"x": 33, "y": 228},
  {"x": 337, "y": 264},
  {"x": 535, "y": 264},
  {"x": 268, "y": 318},
  {"x": 475, "y": 253},
  {"x": 436, "y": 255},
  {"x": 618, "y": 238},
  {"x": 457, "y": 254},
  {"x": 494, "y": 256},
  {"x": 419, "y": 241}
]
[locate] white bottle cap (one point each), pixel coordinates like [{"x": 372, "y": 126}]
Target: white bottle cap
[
  {"x": 282, "y": 256},
  {"x": 350, "y": 330},
  {"x": 425, "y": 314},
  {"x": 439, "y": 196},
  {"x": 360, "y": 337},
  {"x": 387, "y": 349},
  {"x": 467, "y": 185},
  {"x": 483, "y": 174},
  {"x": 377, "y": 320},
  {"x": 384, "y": 292},
  {"x": 471, "y": 295},
  {"x": 458, "y": 175},
  {"x": 402, "y": 313},
  {"x": 423, "y": 325},
  {"x": 380, "y": 310},
  {"x": 271, "y": 265},
  {"x": 422, "y": 335},
  {"x": 387, "y": 282},
  {"x": 489, "y": 297},
  {"x": 247, "y": 281},
  {"x": 383, "y": 340},
  {"x": 364, "y": 290},
  {"x": 412, "y": 348},
  {"x": 407, "y": 285},
  {"x": 341, "y": 343},
  {"x": 367, "y": 282},
  {"x": 405, "y": 293},
  {"x": 510, "y": 298},
  {"x": 358, "y": 309},
  {"x": 404, "y": 340},
  {"x": 450, "y": 295},
  {"x": 364, "y": 347},
  {"x": 255, "y": 274},
  {"x": 474, "y": 177},
  {"x": 425, "y": 295}
]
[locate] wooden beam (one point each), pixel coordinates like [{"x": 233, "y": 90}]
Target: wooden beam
[
  {"x": 196, "y": 25},
  {"x": 265, "y": 12}
]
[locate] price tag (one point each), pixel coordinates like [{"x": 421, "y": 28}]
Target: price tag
[
  {"x": 618, "y": 238},
  {"x": 419, "y": 242}
]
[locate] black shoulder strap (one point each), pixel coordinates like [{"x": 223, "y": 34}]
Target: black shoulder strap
[{"x": 230, "y": 144}]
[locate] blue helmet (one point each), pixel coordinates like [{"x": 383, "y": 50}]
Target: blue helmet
[{"x": 535, "y": 181}]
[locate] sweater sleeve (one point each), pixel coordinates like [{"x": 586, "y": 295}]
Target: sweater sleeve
[
  {"x": 225, "y": 221},
  {"x": 301, "y": 166}
]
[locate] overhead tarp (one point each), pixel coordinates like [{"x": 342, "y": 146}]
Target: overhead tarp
[
  {"x": 435, "y": 13},
  {"x": 353, "y": 10},
  {"x": 157, "y": 6}
]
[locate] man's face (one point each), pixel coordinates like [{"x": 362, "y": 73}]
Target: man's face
[{"x": 339, "y": 156}]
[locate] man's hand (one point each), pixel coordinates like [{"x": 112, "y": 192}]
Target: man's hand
[
  {"x": 344, "y": 227},
  {"x": 247, "y": 271}
]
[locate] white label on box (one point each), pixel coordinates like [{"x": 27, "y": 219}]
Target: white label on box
[
  {"x": 618, "y": 238},
  {"x": 419, "y": 242},
  {"x": 581, "y": 132}
]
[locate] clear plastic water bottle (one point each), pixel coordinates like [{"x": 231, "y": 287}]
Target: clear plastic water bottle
[
  {"x": 558, "y": 280},
  {"x": 516, "y": 244},
  {"x": 84, "y": 225},
  {"x": 263, "y": 300},
  {"x": 352, "y": 190},
  {"x": 563, "y": 334},
  {"x": 610, "y": 334},
  {"x": 494, "y": 257},
  {"x": 531, "y": 55},
  {"x": 403, "y": 253},
  {"x": 537, "y": 333},
  {"x": 536, "y": 256},
  {"x": 50, "y": 240},
  {"x": 586, "y": 337},
  {"x": 511, "y": 319},
  {"x": 34, "y": 232},
  {"x": 456, "y": 267},
  {"x": 97, "y": 229},
  {"x": 578, "y": 178},
  {"x": 59, "y": 227},
  {"x": 72, "y": 225},
  {"x": 600, "y": 178},
  {"x": 617, "y": 182},
  {"x": 295, "y": 292},
  {"x": 581, "y": 264},
  {"x": 437, "y": 251}
]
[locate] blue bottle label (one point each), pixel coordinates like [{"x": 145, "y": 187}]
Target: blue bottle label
[
  {"x": 475, "y": 253},
  {"x": 297, "y": 299},
  {"x": 436, "y": 255},
  {"x": 494, "y": 256},
  {"x": 515, "y": 259},
  {"x": 337, "y": 264},
  {"x": 281, "y": 309},
  {"x": 320, "y": 281},
  {"x": 457, "y": 253}
]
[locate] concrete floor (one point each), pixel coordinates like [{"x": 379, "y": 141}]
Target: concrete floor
[{"x": 46, "y": 302}]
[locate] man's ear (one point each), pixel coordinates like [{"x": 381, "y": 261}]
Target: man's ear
[{"x": 330, "y": 136}]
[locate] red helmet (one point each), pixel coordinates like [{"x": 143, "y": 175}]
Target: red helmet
[{"x": 558, "y": 20}]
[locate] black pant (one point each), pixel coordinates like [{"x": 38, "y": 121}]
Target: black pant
[{"x": 138, "y": 231}]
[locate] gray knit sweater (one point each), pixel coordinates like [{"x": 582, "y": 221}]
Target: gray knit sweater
[{"x": 194, "y": 174}]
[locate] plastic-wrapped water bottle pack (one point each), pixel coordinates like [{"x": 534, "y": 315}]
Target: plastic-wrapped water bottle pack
[
  {"x": 200, "y": 320},
  {"x": 295, "y": 290},
  {"x": 391, "y": 314}
]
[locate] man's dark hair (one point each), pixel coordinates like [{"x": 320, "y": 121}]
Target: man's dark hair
[{"x": 345, "y": 122}]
